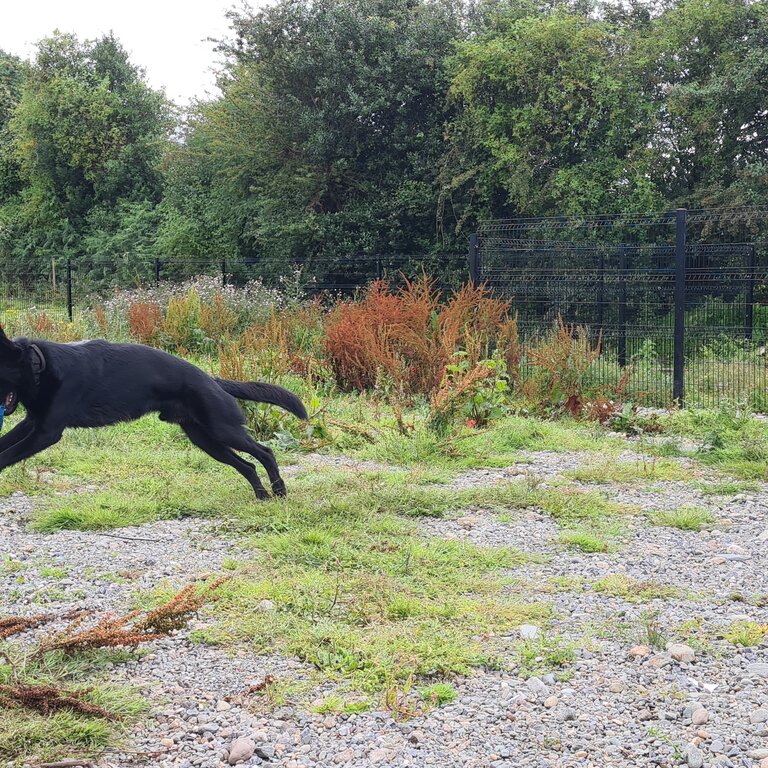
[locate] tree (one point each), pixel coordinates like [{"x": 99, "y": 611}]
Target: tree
[
  {"x": 328, "y": 136},
  {"x": 88, "y": 134}
]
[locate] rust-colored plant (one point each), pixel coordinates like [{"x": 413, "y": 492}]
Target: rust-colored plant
[
  {"x": 46, "y": 698},
  {"x": 409, "y": 336},
  {"x": 132, "y": 628},
  {"x": 217, "y": 320},
  {"x": 144, "y": 321},
  {"x": 566, "y": 355},
  {"x": 13, "y": 625}
]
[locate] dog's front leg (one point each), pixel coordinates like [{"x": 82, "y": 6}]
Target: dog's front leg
[
  {"x": 30, "y": 444},
  {"x": 19, "y": 432}
]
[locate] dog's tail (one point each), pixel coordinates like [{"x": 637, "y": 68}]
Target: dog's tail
[{"x": 264, "y": 393}]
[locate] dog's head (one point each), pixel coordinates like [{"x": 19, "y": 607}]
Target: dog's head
[{"x": 12, "y": 372}]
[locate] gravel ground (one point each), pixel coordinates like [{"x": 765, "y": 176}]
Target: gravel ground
[{"x": 622, "y": 705}]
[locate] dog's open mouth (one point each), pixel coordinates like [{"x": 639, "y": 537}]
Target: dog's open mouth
[{"x": 10, "y": 401}]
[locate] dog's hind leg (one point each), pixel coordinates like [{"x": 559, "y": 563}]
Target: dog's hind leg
[
  {"x": 242, "y": 441},
  {"x": 222, "y": 453}
]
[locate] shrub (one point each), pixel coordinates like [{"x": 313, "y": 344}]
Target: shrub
[
  {"x": 411, "y": 339},
  {"x": 144, "y": 321}
]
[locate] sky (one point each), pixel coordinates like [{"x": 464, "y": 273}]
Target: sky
[{"x": 165, "y": 37}]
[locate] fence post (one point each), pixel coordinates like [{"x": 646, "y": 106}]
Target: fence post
[
  {"x": 69, "y": 289},
  {"x": 157, "y": 271},
  {"x": 474, "y": 259},
  {"x": 622, "y": 351},
  {"x": 379, "y": 273},
  {"x": 223, "y": 271},
  {"x": 750, "y": 297},
  {"x": 678, "y": 364},
  {"x": 601, "y": 291}
]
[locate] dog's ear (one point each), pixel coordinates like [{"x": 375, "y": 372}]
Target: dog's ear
[{"x": 7, "y": 347}]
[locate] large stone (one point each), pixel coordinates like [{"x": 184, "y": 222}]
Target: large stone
[
  {"x": 759, "y": 716},
  {"x": 758, "y": 668},
  {"x": 240, "y": 751},
  {"x": 529, "y": 631},
  {"x": 638, "y": 651},
  {"x": 694, "y": 756},
  {"x": 700, "y": 716},
  {"x": 537, "y": 687},
  {"x": 681, "y": 652}
]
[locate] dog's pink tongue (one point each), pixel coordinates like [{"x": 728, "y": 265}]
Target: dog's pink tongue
[{"x": 8, "y": 400}]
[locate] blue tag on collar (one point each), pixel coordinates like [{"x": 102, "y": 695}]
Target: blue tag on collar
[{"x": 2, "y": 413}]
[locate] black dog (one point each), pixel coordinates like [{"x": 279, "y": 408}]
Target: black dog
[{"x": 95, "y": 383}]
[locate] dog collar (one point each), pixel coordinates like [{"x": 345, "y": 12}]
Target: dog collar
[
  {"x": 38, "y": 366},
  {"x": 37, "y": 362}
]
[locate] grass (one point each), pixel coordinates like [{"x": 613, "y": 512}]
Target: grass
[
  {"x": 24, "y": 733},
  {"x": 684, "y": 518},
  {"x": 545, "y": 654},
  {"x": 633, "y": 590},
  {"x": 584, "y": 541},
  {"x": 746, "y": 633},
  {"x": 641, "y": 470}
]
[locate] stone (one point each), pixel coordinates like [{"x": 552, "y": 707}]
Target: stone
[
  {"x": 758, "y": 668},
  {"x": 764, "y": 763},
  {"x": 757, "y": 754},
  {"x": 694, "y": 757},
  {"x": 681, "y": 652},
  {"x": 167, "y": 743},
  {"x": 529, "y": 631},
  {"x": 265, "y": 605},
  {"x": 345, "y": 756},
  {"x": 759, "y": 716},
  {"x": 644, "y": 714},
  {"x": 717, "y": 746},
  {"x": 700, "y": 716},
  {"x": 537, "y": 687},
  {"x": 551, "y": 701},
  {"x": 638, "y": 651},
  {"x": 616, "y": 686},
  {"x": 469, "y": 521},
  {"x": 379, "y": 755},
  {"x": 240, "y": 751},
  {"x": 223, "y": 706}
]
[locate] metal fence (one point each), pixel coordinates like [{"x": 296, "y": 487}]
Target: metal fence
[
  {"x": 676, "y": 300},
  {"x": 65, "y": 288}
]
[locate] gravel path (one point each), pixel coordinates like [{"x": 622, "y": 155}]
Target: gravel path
[{"x": 620, "y": 705}]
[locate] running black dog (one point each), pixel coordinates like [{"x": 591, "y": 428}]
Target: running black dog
[{"x": 95, "y": 383}]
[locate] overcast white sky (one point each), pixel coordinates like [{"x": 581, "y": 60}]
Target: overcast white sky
[{"x": 166, "y": 37}]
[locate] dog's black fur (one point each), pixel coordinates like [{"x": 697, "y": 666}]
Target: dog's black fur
[{"x": 95, "y": 383}]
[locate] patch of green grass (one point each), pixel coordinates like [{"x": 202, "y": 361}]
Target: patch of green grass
[
  {"x": 584, "y": 541},
  {"x": 729, "y": 438},
  {"x": 633, "y": 590},
  {"x": 438, "y": 694},
  {"x": 53, "y": 572},
  {"x": 726, "y": 488},
  {"x": 24, "y": 732},
  {"x": 746, "y": 633},
  {"x": 630, "y": 472},
  {"x": 684, "y": 518},
  {"x": 545, "y": 654},
  {"x": 499, "y": 445}
]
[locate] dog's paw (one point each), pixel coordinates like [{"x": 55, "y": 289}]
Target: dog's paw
[
  {"x": 263, "y": 495},
  {"x": 279, "y": 489}
]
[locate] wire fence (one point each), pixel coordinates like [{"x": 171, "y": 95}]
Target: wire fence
[{"x": 676, "y": 300}]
